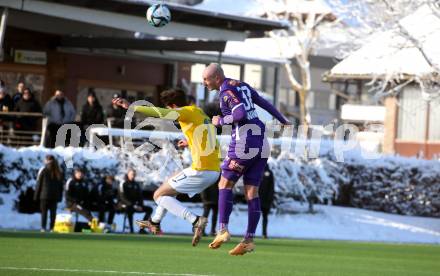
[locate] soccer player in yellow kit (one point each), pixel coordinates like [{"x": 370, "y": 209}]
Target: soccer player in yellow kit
[{"x": 201, "y": 138}]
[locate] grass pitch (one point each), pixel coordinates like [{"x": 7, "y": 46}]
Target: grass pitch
[{"x": 31, "y": 253}]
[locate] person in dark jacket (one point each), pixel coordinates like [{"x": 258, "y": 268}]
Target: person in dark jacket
[
  {"x": 105, "y": 196},
  {"x": 19, "y": 92},
  {"x": 266, "y": 194},
  {"x": 77, "y": 195},
  {"x": 91, "y": 112},
  {"x": 27, "y": 103},
  {"x": 5, "y": 106},
  {"x": 5, "y": 100},
  {"x": 131, "y": 200},
  {"x": 49, "y": 190},
  {"x": 210, "y": 202},
  {"x": 116, "y": 114}
]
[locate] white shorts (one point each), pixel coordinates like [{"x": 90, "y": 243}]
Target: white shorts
[{"x": 192, "y": 182}]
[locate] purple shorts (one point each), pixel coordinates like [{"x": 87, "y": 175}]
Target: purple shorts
[{"x": 251, "y": 169}]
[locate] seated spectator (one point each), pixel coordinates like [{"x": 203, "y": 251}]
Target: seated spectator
[
  {"x": 104, "y": 196},
  {"x": 27, "y": 103},
  {"x": 58, "y": 111},
  {"x": 116, "y": 114},
  {"x": 131, "y": 200},
  {"x": 77, "y": 195},
  {"x": 49, "y": 190},
  {"x": 18, "y": 94}
]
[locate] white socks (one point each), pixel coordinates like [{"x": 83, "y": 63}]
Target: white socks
[
  {"x": 159, "y": 214},
  {"x": 176, "y": 208}
]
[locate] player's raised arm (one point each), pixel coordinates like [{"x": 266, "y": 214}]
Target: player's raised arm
[
  {"x": 238, "y": 111},
  {"x": 149, "y": 111},
  {"x": 264, "y": 104}
]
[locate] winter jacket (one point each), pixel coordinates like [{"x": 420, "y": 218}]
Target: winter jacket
[
  {"x": 59, "y": 112},
  {"x": 17, "y": 96},
  {"x": 104, "y": 193},
  {"x": 91, "y": 115},
  {"x": 6, "y": 101},
  {"x": 30, "y": 105},
  {"x": 77, "y": 192},
  {"x": 266, "y": 191},
  {"x": 210, "y": 195},
  {"x": 118, "y": 115},
  {"x": 130, "y": 193},
  {"x": 25, "y": 122},
  {"x": 48, "y": 188}
]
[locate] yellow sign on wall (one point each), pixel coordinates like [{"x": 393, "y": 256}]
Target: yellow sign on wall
[{"x": 30, "y": 57}]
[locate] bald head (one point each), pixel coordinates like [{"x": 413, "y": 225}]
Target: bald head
[{"x": 213, "y": 76}]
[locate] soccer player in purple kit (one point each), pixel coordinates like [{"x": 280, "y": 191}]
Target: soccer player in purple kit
[{"x": 248, "y": 151}]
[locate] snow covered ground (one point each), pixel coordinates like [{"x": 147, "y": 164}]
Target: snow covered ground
[{"x": 329, "y": 222}]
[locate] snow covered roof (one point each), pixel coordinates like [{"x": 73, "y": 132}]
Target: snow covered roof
[
  {"x": 258, "y": 8},
  {"x": 391, "y": 55},
  {"x": 361, "y": 113}
]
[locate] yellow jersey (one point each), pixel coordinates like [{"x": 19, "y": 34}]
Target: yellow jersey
[{"x": 198, "y": 131}]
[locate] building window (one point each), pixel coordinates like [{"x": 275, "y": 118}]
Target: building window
[
  {"x": 332, "y": 101},
  {"x": 434, "y": 119},
  {"x": 253, "y": 75},
  {"x": 412, "y": 115},
  {"x": 310, "y": 101}
]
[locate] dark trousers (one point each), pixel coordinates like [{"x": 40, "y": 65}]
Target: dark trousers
[
  {"x": 206, "y": 209},
  {"x": 130, "y": 210},
  {"x": 77, "y": 208},
  {"x": 45, "y": 206},
  {"x": 106, "y": 207},
  {"x": 51, "y": 136},
  {"x": 265, "y": 214}
]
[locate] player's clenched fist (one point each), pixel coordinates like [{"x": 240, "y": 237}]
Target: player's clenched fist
[
  {"x": 216, "y": 120},
  {"x": 121, "y": 102},
  {"x": 182, "y": 143}
]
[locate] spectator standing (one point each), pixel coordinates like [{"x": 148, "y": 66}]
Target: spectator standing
[
  {"x": 19, "y": 92},
  {"x": 91, "y": 113},
  {"x": 266, "y": 194},
  {"x": 5, "y": 106},
  {"x": 27, "y": 103},
  {"x": 210, "y": 202},
  {"x": 131, "y": 200},
  {"x": 58, "y": 111},
  {"x": 5, "y": 100},
  {"x": 78, "y": 195},
  {"x": 49, "y": 190},
  {"x": 116, "y": 114}
]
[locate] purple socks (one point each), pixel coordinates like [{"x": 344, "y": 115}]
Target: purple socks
[
  {"x": 254, "y": 212},
  {"x": 225, "y": 207}
]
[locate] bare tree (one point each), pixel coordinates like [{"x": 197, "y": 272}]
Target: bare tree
[
  {"x": 303, "y": 36},
  {"x": 370, "y": 17},
  {"x": 358, "y": 20}
]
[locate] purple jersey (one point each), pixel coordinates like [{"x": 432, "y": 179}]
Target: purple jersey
[{"x": 249, "y": 131}]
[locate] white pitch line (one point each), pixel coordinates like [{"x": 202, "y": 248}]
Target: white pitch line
[{"x": 97, "y": 271}]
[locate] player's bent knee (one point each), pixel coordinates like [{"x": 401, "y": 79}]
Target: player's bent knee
[
  {"x": 224, "y": 183},
  {"x": 250, "y": 192},
  {"x": 157, "y": 199},
  {"x": 156, "y": 195}
]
